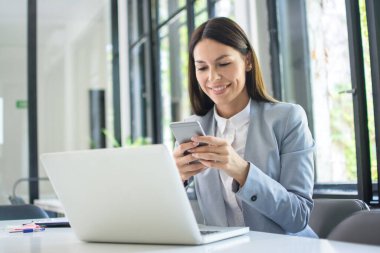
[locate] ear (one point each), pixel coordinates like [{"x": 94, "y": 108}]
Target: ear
[{"x": 248, "y": 62}]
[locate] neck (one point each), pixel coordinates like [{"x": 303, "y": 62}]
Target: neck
[{"x": 228, "y": 110}]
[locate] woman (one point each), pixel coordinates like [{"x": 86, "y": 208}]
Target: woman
[{"x": 257, "y": 169}]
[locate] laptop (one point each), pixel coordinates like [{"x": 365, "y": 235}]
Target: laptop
[{"x": 128, "y": 195}]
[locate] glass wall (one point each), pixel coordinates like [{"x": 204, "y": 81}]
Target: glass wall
[
  {"x": 13, "y": 98},
  {"x": 331, "y": 91},
  {"x": 326, "y": 67},
  {"x": 140, "y": 73},
  {"x": 75, "y": 108},
  {"x": 160, "y": 70},
  {"x": 173, "y": 75}
]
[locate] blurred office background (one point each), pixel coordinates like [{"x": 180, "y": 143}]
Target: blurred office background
[{"x": 106, "y": 73}]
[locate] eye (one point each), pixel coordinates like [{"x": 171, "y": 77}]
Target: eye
[
  {"x": 224, "y": 64},
  {"x": 201, "y": 68}
]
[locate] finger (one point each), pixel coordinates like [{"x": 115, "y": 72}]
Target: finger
[
  {"x": 182, "y": 148},
  {"x": 186, "y": 176},
  {"x": 210, "y": 140},
  {"x": 210, "y": 157},
  {"x": 192, "y": 167},
  {"x": 212, "y": 164},
  {"x": 184, "y": 160},
  {"x": 222, "y": 150}
]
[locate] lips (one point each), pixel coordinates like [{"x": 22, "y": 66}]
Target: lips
[{"x": 219, "y": 89}]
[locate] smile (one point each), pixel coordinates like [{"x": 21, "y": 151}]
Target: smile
[{"x": 219, "y": 89}]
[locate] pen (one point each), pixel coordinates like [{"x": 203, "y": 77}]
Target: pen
[{"x": 27, "y": 230}]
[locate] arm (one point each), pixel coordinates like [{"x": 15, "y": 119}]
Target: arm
[{"x": 287, "y": 201}]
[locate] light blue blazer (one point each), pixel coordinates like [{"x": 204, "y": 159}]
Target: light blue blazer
[{"x": 277, "y": 195}]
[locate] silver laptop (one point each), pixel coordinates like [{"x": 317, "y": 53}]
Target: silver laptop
[{"x": 128, "y": 195}]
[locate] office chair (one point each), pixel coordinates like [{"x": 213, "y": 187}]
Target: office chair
[
  {"x": 361, "y": 227},
  {"x": 16, "y": 200},
  {"x": 21, "y": 212},
  {"x": 327, "y": 213}
]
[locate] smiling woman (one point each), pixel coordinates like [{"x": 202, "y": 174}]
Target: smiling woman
[{"x": 257, "y": 169}]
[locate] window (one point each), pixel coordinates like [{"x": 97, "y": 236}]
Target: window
[
  {"x": 139, "y": 69},
  {"x": 325, "y": 66},
  {"x": 158, "y": 42}
]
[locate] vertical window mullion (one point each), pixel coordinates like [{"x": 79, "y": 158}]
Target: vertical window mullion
[
  {"x": 115, "y": 70},
  {"x": 155, "y": 84},
  {"x": 211, "y": 8},
  {"x": 359, "y": 101},
  {"x": 274, "y": 49},
  {"x": 190, "y": 17},
  {"x": 32, "y": 100},
  {"x": 373, "y": 7}
]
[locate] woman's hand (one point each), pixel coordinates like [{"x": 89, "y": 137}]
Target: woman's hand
[
  {"x": 187, "y": 164},
  {"x": 220, "y": 154}
]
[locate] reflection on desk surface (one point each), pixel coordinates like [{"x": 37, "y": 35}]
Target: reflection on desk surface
[{"x": 63, "y": 240}]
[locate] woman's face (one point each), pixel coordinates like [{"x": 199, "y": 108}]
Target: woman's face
[{"x": 220, "y": 72}]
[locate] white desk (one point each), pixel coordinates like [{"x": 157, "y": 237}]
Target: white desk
[{"x": 63, "y": 240}]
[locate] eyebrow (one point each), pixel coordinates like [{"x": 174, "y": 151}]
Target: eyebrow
[{"x": 217, "y": 59}]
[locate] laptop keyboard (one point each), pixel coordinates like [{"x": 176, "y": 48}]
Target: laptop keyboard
[{"x": 207, "y": 232}]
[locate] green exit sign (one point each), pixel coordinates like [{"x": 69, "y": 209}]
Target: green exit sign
[{"x": 21, "y": 104}]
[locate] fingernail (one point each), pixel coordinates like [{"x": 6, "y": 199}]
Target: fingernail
[{"x": 195, "y": 143}]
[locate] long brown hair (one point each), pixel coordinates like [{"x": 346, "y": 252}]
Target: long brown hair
[{"x": 227, "y": 32}]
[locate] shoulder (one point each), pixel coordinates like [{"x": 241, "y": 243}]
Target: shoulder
[
  {"x": 280, "y": 111},
  {"x": 281, "y": 118},
  {"x": 281, "y": 108}
]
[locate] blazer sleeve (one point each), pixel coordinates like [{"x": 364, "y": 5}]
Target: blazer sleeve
[{"x": 287, "y": 200}]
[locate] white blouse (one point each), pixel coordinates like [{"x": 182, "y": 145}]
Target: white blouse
[{"x": 234, "y": 130}]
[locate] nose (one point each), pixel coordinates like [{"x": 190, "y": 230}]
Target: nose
[{"x": 213, "y": 75}]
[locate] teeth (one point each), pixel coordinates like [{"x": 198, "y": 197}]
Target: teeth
[{"x": 219, "y": 88}]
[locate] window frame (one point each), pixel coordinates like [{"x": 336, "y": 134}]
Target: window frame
[
  {"x": 366, "y": 190},
  {"x": 373, "y": 20}
]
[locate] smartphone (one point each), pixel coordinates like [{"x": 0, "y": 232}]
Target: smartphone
[{"x": 183, "y": 131}]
